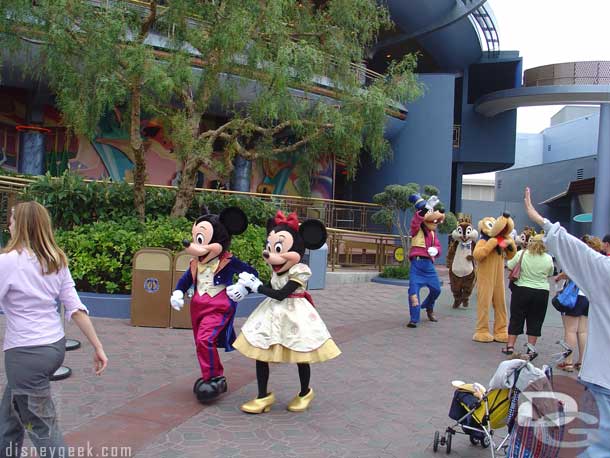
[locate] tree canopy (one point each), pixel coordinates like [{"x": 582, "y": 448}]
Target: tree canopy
[{"x": 284, "y": 77}]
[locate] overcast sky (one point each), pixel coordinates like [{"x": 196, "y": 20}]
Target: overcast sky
[{"x": 548, "y": 32}]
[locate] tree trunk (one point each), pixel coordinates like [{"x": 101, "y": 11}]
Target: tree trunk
[
  {"x": 135, "y": 141},
  {"x": 186, "y": 188}
]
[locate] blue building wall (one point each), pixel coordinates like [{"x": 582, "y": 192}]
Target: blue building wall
[
  {"x": 545, "y": 180},
  {"x": 571, "y": 139},
  {"x": 422, "y": 144},
  {"x": 528, "y": 150},
  {"x": 486, "y": 144}
]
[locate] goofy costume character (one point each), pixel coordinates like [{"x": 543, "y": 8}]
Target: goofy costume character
[
  {"x": 211, "y": 272},
  {"x": 425, "y": 247}
]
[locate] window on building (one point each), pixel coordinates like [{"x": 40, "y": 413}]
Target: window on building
[{"x": 580, "y": 173}]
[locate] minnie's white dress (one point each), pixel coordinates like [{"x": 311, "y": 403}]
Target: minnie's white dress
[{"x": 288, "y": 331}]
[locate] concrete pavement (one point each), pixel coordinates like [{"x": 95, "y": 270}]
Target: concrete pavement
[{"x": 383, "y": 397}]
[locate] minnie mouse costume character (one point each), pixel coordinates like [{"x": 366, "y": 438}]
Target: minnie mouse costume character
[
  {"x": 285, "y": 327},
  {"x": 212, "y": 312}
]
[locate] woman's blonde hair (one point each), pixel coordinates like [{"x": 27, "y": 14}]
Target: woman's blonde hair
[
  {"x": 33, "y": 232},
  {"x": 593, "y": 242},
  {"x": 536, "y": 245}
]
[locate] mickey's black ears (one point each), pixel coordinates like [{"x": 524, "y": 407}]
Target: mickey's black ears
[
  {"x": 313, "y": 233},
  {"x": 204, "y": 210},
  {"x": 234, "y": 220}
]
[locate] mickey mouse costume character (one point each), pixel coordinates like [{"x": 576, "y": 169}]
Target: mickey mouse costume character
[
  {"x": 212, "y": 312},
  {"x": 425, "y": 247},
  {"x": 285, "y": 327}
]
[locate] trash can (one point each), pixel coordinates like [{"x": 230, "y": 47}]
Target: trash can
[
  {"x": 151, "y": 287},
  {"x": 181, "y": 319},
  {"x": 316, "y": 260}
]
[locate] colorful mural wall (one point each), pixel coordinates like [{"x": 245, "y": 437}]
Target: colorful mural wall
[{"x": 107, "y": 154}]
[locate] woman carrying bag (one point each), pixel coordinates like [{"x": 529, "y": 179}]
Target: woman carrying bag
[
  {"x": 34, "y": 273},
  {"x": 530, "y": 292}
]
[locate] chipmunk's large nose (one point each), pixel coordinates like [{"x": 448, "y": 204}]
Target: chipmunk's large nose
[{"x": 506, "y": 214}]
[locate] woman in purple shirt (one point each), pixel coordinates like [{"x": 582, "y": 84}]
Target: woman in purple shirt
[{"x": 34, "y": 276}]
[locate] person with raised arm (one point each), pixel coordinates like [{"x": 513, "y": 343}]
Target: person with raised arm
[{"x": 590, "y": 270}]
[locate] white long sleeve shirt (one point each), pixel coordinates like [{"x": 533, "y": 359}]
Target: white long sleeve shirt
[
  {"x": 29, "y": 300},
  {"x": 590, "y": 270}
]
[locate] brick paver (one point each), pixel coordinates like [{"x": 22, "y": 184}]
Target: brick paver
[{"x": 383, "y": 397}]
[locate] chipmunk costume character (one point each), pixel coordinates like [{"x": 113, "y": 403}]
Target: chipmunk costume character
[
  {"x": 461, "y": 261},
  {"x": 489, "y": 253},
  {"x": 285, "y": 327},
  {"x": 524, "y": 237},
  {"x": 425, "y": 248},
  {"x": 211, "y": 274}
]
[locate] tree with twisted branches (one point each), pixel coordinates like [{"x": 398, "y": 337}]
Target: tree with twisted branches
[{"x": 280, "y": 73}]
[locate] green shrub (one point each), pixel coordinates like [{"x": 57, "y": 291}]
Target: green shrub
[
  {"x": 400, "y": 272},
  {"x": 101, "y": 253},
  {"x": 72, "y": 201},
  {"x": 258, "y": 211}
]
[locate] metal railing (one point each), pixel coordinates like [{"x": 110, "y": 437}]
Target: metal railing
[
  {"x": 341, "y": 214},
  {"x": 484, "y": 18},
  {"x": 346, "y": 248},
  {"x": 568, "y": 74},
  {"x": 361, "y": 249}
]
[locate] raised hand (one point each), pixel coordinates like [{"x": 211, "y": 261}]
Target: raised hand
[
  {"x": 530, "y": 210},
  {"x": 177, "y": 300}
]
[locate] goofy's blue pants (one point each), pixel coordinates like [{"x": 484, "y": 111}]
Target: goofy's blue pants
[{"x": 422, "y": 274}]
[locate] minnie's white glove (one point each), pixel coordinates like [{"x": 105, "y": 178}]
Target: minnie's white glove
[
  {"x": 250, "y": 281},
  {"x": 177, "y": 300},
  {"x": 237, "y": 292},
  {"x": 433, "y": 251}
]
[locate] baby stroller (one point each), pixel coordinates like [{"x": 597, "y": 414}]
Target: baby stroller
[{"x": 478, "y": 412}]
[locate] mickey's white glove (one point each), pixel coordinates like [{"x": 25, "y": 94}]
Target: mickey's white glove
[
  {"x": 237, "y": 292},
  {"x": 250, "y": 281},
  {"x": 432, "y": 251},
  {"x": 177, "y": 300},
  {"x": 432, "y": 202}
]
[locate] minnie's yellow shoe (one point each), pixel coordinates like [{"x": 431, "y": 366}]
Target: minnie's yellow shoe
[
  {"x": 259, "y": 405},
  {"x": 300, "y": 404}
]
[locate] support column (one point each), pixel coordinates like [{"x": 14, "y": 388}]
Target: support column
[
  {"x": 456, "y": 188},
  {"x": 32, "y": 157},
  {"x": 601, "y": 202},
  {"x": 31, "y": 153},
  {"x": 240, "y": 179}
]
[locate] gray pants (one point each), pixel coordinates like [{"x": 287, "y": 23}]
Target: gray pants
[{"x": 27, "y": 403}]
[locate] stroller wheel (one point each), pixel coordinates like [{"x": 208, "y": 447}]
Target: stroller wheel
[
  {"x": 437, "y": 438},
  {"x": 485, "y": 442},
  {"x": 474, "y": 440},
  {"x": 448, "y": 442}
]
